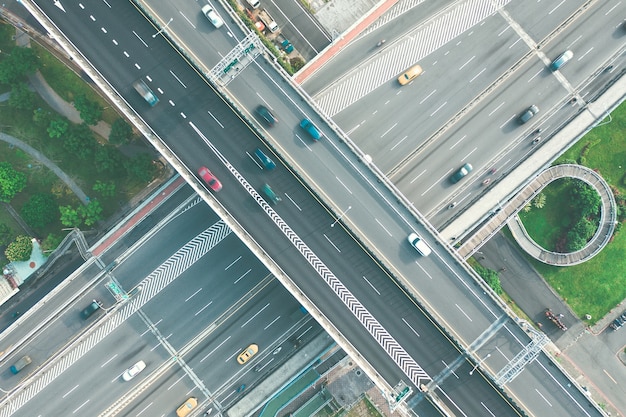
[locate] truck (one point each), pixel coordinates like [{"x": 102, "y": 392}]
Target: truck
[
  {"x": 142, "y": 88},
  {"x": 20, "y": 364},
  {"x": 268, "y": 20}
]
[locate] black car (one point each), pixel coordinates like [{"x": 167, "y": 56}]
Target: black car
[
  {"x": 265, "y": 114},
  {"x": 90, "y": 309}
]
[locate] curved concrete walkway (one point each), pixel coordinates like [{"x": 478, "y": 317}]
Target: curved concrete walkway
[
  {"x": 509, "y": 215},
  {"x": 48, "y": 163}
]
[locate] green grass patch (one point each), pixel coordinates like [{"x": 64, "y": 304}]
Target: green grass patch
[{"x": 596, "y": 286}]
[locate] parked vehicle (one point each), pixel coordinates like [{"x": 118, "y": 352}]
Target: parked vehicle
[
  {"x": 90, "y": 309},
  {"x": 268, "y": 20}
]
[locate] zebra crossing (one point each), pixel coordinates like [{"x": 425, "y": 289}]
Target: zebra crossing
[
  {"x": 406, "y": 52},
  {"x": 154, "y": 283}
]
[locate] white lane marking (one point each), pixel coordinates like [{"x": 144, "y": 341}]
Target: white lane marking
[
  {"x": 242, "y": 276},
  {"x": 103, "y": 30},
  {"x": 176, "y": 382},
  {"x": 187, "y": 19},
  {"x": 488, "y": 410},
  {"x": 374, "y": 288},
  {"x": 410, "y": 327},
  {"x": 349, "y": 132},
  {"x": 535, "y": 75},
  {"x": 451, "y": 370},
  {"x": 344, "y": 185},
  {"x": 233, "y": 263},
  {"x": 271, "y": 322},
  {"x": 329, "y": 241},
  {"x": 544, "y": 398},
  {"x": 556, "y": 7},
  {"x": 457, "y": 142},
  {"x": 388, "y": 130},
  {"x": 177, "y": 79},
  {"x": 417, "y": 177},
  {"x": 93, "y": 19},
  {"x": 398, "y": 143},
  {"x": 203, "y": 308},
  {"x": 69, "y": 392},
  {"x": 464, "y": 313},
  {"x": 145, "y": 408},
  {"x": 438, "y": 108},
  {"x": 139, "y": 37},
  {"x": 254, "y": 315},
  {"x": 293, "y": 202},
  {"x": 611, "y": 10},
  {"x": 515, "y": 43},
  {"x": 115, "y": 356},
  {"x": 508, "y": 121},
  {"x": 192, "y": 295},
  {"x": 496, "y": 109},
  {"x": 428, "y": 96},
  {"x": 216, "y": 121},
  {"x": 477, "y": 75},
  {"x": 304, "y": 143},
  {"x": 436, "y": 182},
  {"x": 573, "y": 42},
  {"x": 468, "y": 155},
  {"x": 585, "y": 54},
  {"x": 79, "y": 407},
  {"x": 423, "y": 270},
  {"x": 612, "y": 379},
  {"x": 467, "y": 62},
  {"x": 214, "y": 349},
  {"x": 383, "y": 227},
  {"x": 504, "y": 31}
]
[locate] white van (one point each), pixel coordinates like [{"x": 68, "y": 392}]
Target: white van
[{"x": 254, "y": 3}]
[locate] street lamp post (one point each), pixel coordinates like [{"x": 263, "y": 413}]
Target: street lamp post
[
  {"x": 479, "y": 362},
  {"x": 163, "y": 28},
  {"x": 340, "y": 216}
]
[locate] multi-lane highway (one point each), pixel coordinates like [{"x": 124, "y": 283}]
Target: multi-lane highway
[
  {"x": 505, "y": 54},
  {"x": 476, "y": 322}
]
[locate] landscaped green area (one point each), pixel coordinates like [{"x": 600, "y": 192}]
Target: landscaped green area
[
  {"x": 598, "y": 285},
  {"x": 97, "y": 164}
]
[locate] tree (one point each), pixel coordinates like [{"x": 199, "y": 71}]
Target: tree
[
  {"x": 51, "y": 242},
  {"x": 42, "y": 117},
  {"x": 90, "y": 111},
  {"x": 539, "y": 201},
  {"x": 19, "y": 63},
  {"x": 41, "y": 210},
  {"x": 141, "y": 167},
  {"x": 6, "y": 234},
  {"x": 79, "y": 140},
  {"x": 490, "y": 277},
  {"x": 11, "y": 182},
  {"x": 21, "y": 97},
  {"x": 70, "y": 217},
  {"x": 121, "y": 132},
  {"x": 20, "y": 249},
  {"x": 585, "y": 198},
  {"x": 107, "y": 159},
  {"x": 579, "y": 235},
  {"x": 58, "y": 127},
  {"x": 91, "y": 213},
  {"x": 106, "y": 189}
]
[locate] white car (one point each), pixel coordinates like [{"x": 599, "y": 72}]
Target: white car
[
  {"x": 131, "y": 372},
  {"x": 418, "y": 244},
  {"x": 213, "y": 17}
]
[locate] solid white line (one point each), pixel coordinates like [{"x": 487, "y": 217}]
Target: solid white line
[{"x": 607, "y": 374}]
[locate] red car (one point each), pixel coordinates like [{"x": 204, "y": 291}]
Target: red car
[{"x": 210, "y": 179}]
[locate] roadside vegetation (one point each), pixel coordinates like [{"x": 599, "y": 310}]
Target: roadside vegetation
[
  {"x": 596, "y": 286},
  {"x": 98, "y": 165}
]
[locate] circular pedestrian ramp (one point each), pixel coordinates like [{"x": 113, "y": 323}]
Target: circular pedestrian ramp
[{"x": 509, "y": 215}]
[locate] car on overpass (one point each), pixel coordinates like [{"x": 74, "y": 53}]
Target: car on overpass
[
  {"x": 213, "y": 17},
  {"x": 210, "y": 179},
  {"x": 528, "y": 114},
  {"x": 133, "y": 371},
  {"x": 267, "y": 116},
  {"x": 249, "y": 352},
  {"x": 310, "y": 128},
  {"x": 410, "y": 74},
  {"x": 561, "y": 60},
  {"x": 461, "y": 173}
]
